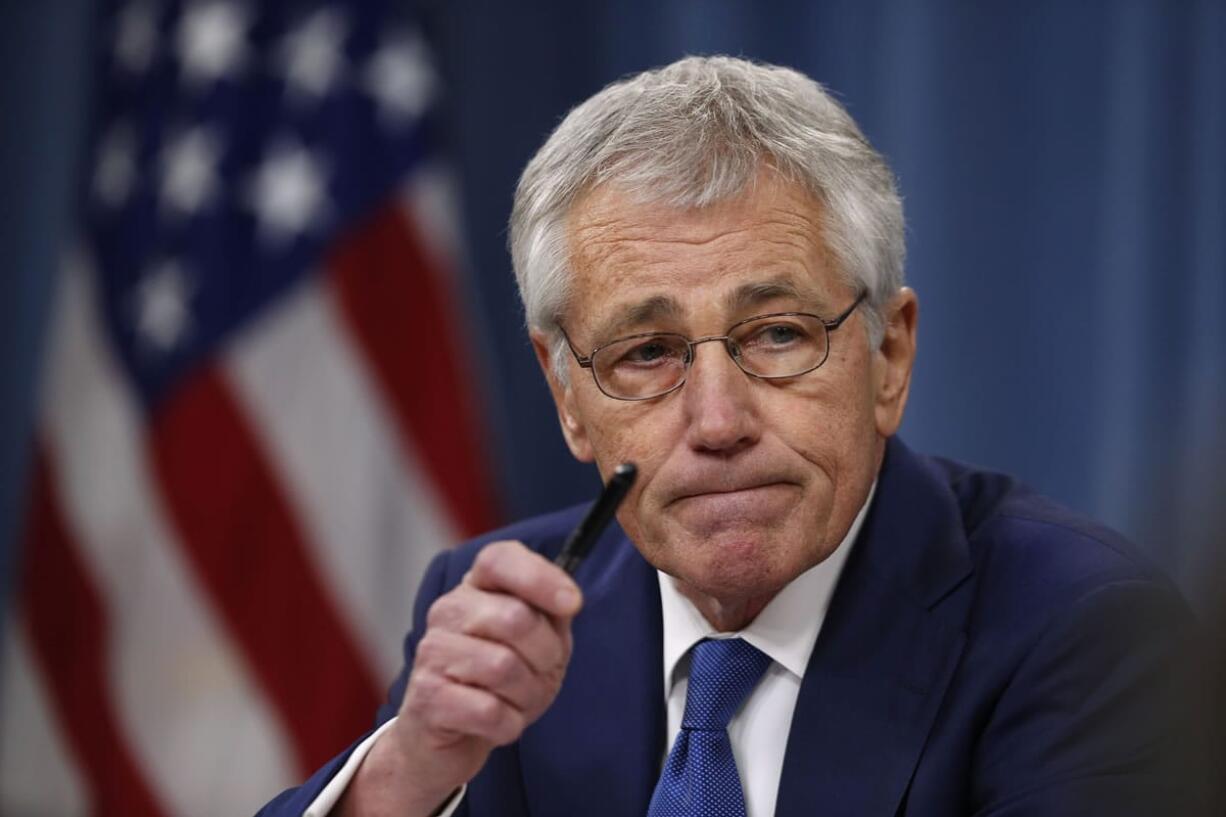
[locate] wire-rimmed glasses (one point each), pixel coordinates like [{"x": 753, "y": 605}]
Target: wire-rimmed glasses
[{"x": 769, "y": 347}]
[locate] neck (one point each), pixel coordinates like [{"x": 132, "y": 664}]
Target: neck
[{"x": 726, "y": 616}]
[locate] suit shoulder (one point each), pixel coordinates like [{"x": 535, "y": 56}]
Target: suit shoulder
[
  {"x": 1035, "y": 560},
  {"x": 1008, "y": 524}
]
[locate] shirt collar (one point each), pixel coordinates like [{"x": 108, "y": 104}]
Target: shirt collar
[{"x": 786, "y": 629}]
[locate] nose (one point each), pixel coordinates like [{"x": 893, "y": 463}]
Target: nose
[{"x": 719, "y": 403}]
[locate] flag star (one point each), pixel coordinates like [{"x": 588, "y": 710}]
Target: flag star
[
  {"x": 189, "y": 171},
  {"x": 115, "y": 167},
  {"x": 135, "y": 37},
  {"x": 162, "y": 315},
  {"x": 211, "y": 40},
  {"x": 287, "y": 192},
  {"x": 311, "y": 54},
  {"x": 401, "y": 79}
]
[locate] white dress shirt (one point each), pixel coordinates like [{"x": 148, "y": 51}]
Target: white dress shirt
[{"x": 786, "y": 630}]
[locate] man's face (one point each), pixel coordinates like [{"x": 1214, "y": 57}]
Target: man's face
[{"x": 743, "y": 483}]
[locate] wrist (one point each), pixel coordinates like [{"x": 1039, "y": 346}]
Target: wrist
[{"x": 390, "y": 782}]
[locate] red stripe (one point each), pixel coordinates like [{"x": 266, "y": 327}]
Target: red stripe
[
  {"x": 70, "y": 638},
  {"x": 399, "y": 309},
  {"x": 249, "y": 553}
]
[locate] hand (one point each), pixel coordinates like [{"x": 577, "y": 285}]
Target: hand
[{"x": 490, "y": 663}]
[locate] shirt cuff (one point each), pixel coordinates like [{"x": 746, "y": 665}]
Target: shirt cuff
[{"x": 331, "y": 794}]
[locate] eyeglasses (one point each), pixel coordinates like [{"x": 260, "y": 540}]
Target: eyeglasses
[{"x": 769, "y": 347}]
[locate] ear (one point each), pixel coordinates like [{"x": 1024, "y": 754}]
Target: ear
[
  {"x": 573, "y": 428},
  {"x": 893, "y": 361}
]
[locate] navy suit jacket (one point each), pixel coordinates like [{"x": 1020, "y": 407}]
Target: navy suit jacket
[{"x": 986, "y": 652}]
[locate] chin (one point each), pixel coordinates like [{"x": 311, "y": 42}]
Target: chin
[{"x": 732, "y": 567}]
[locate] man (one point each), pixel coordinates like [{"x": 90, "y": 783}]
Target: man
[{"x": 710, "y": 257}]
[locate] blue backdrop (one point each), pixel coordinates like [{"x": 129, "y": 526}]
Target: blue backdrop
[{"x": 1064, "y": 172}]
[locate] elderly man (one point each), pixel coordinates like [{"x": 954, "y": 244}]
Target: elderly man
[{"x": 798, "y": 615}]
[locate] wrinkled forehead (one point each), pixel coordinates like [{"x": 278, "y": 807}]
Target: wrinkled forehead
[
  {"x": 765, "y": 193},
  {"x": 637, "y": 263}
]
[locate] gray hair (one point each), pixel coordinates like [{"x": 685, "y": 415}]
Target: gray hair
[{"x": 695, "y": 133}]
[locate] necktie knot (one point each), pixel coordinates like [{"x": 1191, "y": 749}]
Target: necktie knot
[{"x": 722, "y": 673}]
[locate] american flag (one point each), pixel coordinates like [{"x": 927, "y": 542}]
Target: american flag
[{"x": 257, "y": 416}]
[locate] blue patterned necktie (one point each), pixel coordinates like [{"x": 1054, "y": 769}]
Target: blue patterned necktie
[{"x": 700, "y": 778}]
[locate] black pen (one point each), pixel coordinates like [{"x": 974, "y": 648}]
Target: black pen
[{"x": 585, "y": 534}]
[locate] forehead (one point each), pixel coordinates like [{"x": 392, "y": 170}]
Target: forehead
[{"x": 634, "y": 262}]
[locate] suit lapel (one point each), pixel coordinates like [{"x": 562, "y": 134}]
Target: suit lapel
[
  {"x": 888, "y": 647},
  {"x": 586, "y": 754}
]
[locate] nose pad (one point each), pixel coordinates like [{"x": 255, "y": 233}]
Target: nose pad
[{"x": 733, "y": 350}]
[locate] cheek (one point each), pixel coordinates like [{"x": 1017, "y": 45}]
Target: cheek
[
  {"x": 628, "y": 432},
  {"x": 644, "y": 439},
  {"x": 822, "y": 422}
]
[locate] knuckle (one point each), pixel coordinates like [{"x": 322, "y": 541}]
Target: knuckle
[
  {"x": 488, "y": 712},
  {"x": 489, "y": 559},
  {"x": 502, "y": 665},
  {"x": 421, "y": 695},
  {"x": 443, "y": 612},
  {"x": 425, "y": 686},
  {"x": 430, "y": 649},
  {"x": 515, "y": 619},
  {"x": 501, "y": 558}
]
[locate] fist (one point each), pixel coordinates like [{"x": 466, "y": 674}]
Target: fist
[{"x": 490, "y": 663}]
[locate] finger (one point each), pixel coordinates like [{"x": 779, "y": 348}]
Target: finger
[
  {"x": 447, "y": 708},
  {"x": 485, "y": 664},
  {"x": 506, "y": 620},
  {"x": 509, "y": 567}
]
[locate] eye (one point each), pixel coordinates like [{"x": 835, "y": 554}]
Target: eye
[
  {"x": 778, "y": 334},
  {"x": 645, "y": 352},
  {"x": 648, "y": 352}
]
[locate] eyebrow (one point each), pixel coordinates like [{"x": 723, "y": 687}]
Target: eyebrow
[
  {"x": 637, "y": 315},
  {"x": 653, "y": 310},
  {"x": 754, "y": 294}
]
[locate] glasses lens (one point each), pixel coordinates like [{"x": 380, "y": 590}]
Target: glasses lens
[
  {"x": 781, "y": 345},
  {"x": 640, "y": 367}
]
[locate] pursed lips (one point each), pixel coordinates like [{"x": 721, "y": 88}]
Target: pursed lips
[{"x": 723, "y": 488}]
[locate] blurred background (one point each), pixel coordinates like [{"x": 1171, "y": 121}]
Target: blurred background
[{"x": 261, "y": 353}]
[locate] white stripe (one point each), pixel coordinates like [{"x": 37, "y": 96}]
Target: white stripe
[
  {"x": 432, "y": 200},
  {"x": 199, "y": 727},
  {"x": 371, "y": 515},
  {"x": 37, "y": 775}
]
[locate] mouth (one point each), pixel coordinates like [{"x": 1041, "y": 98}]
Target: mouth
[
  {"x": 727, "y": 488},
  {"x": 756, "y": 504},
  {"x": 700, "y": 493}
]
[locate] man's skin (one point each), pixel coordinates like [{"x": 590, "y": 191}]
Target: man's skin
[{"x": 743, "y": 483}]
